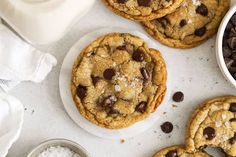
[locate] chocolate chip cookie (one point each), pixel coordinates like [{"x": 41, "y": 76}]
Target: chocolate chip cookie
[
  {"x": 179, "y": 151},
  {"x": 117, "y": 80},
  {"x": 214, "y": 124},
  {"x": 189, "y": 25},
  {"x": 143, "y": 10}
]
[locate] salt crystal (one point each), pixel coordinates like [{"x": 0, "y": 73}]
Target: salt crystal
[
  {"x": 225, "y": 137},
  {"x": 196, "y": 2},
  {"x": 58, "y": 151},
  {"x": 113, "y": 98},
  {"x": 224, "y": 116},
  {"x": 227, "y": 124},
  {"x": 117, "y": 88},
  {"x": 190, "y": 21},
  {"x": 218, "y": 124}
]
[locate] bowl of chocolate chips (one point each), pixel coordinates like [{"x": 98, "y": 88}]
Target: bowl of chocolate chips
[{"x": 226, "y": 46}]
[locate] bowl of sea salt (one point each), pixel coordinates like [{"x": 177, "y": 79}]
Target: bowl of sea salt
[{"x": 59, "y": 148}]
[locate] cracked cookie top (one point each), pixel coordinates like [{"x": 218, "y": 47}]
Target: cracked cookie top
[
  {"x": 143, "y": 10},
  {"x": 189, "y": 25},
  {"x": 179, "y": 151},
  {"x": 214, "y": 124},
  {"x": 117, "y": 80}
]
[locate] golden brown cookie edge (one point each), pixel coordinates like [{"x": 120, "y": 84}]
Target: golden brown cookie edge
[{"x": 158, "y": 14}]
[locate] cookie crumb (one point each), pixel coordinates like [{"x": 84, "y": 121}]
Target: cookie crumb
[
  {"x": 122, "y": 141},
  {"x": 174, "y": 106},
  {"x": 164, "y": 113}
]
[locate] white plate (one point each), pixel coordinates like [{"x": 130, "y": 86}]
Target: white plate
[
  {"x": 64, "y": 85},
  {"x": 11, "y": 120}
]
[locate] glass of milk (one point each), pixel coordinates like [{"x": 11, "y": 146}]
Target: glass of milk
[{"x": 43, "y": 21}]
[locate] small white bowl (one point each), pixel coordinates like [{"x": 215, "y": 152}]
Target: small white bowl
[
  {"x": 219, "y": 46},
  {"x": 59, "y": 142}
]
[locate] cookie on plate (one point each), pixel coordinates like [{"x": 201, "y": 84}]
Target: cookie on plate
[
  {"x": 117, "y": 80},
  {"x": 179, "y": 151},
  {"x": 214, "y": 124},
  {"x": 142, "y": 10},
  {"x": 189, "y": 25}
]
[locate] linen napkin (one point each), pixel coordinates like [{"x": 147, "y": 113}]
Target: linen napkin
[
  {"x": 20, "y": 61},
  {"x": 11, "y": 119}
]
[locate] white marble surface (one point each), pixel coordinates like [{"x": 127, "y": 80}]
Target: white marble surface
[{"x": 195, "y": 72}]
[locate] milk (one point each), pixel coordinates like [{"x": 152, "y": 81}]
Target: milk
[{"x": 43, "y": 21}]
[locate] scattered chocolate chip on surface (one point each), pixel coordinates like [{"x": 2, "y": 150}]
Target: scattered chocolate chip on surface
[
  {"x": 178, "y": 97},
  {"x": 167, "y": 127}
]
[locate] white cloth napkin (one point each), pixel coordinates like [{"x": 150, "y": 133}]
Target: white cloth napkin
[
  {"x": 18, "y": 62},
  {"x": 11, "y": 119},
  {"x": 21, "y": 62}
]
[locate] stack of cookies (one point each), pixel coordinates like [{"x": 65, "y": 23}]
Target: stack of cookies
[
  {"x": 118, "y": 80},
  {"x": 212, "y": 124},
  {"x": 175, "y": 23}
]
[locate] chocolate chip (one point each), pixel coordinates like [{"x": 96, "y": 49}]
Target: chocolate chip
[
  {"x": 232, "y": 107},
  {"x": 113, "y": 111},
  {"x": 167, "y": 127},
  {"x": 109, "y": 74},
  {"x": 232, "y": 42},
  {"x": 200, "y": 32},
  {"x": 178, "y": 97},
  {"x": 95, "y": 79},
  {"x": 141, "y": 107},
  {"x": 232, "y": 120},
  {"x": 233, "y": 56},
  {"x": 138, "y": 55},
  {"x": 145, "y": 74},
  {"x": 162, "y": 21},
  {"x": 228, "y": 62},
  {"x": 183, "y": 23},
  {"x": 229, "y": 26},
  {"x": 81, "y": 91},
  {"x": 108, "y": 101},
  {"x": 209, "y": 133},
  {"x": 202, "y": 9},
  {"x": 121, "y": 48},
  {"x": 172, "y": 153},
  {"x": 121, "y": 1},
  {"x": 233, "y": 19},
  {"x": 227, "y": 52},
  {"x": 233, "y": 139},
  {"x": 232, "y": 33},
  {"x": 144, "y": 3}
]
